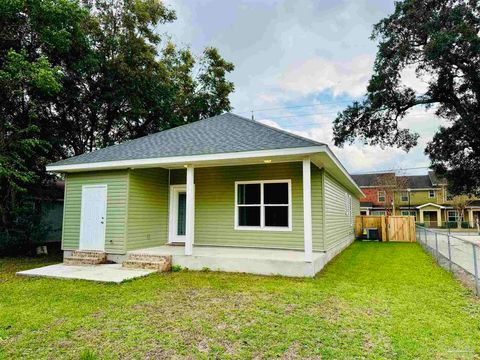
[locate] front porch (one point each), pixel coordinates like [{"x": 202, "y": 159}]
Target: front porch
[{"x": 244, "y": 260}]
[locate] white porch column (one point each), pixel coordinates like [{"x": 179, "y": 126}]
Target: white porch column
[
  {"x": 439, "y": 218},
  {"x": 470, "y": 218},
  {"x": 421, "y": 215},
  {"x": 190, "y": 216},
  {"x": 307, "y": 211}
]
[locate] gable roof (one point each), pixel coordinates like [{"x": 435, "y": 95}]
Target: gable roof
[
  {"x": 365, "y": 180},
  {"x": 416, "y": 181},
  {"x": 430, "y": 204},
  {"x": 226, "y": 133},
  {"x": 410, "y": 181},
  {"x": 436, "y": 179}
]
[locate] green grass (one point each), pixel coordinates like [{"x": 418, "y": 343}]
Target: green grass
[{"x": 373, "y": 301}]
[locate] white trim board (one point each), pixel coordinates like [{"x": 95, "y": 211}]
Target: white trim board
[
  {"x": 431, "y": 204},
  {"x": 262, "y": 226},
  {"x": 221, "y": 159},
  {"x": 181, "y": 160}
]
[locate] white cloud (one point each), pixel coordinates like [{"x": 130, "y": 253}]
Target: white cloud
[
  {"x": 410, "y": 78},
  {"x": 270, "y": 123},
  {"x": 358, "y": 157},
  {"x": 318, "y": 74}
]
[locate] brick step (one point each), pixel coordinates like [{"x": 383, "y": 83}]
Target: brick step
[
  {"x": 147, "y": 257},
  {"x": 89, "y": 254},
  {"x": 84, "y": 260},
  {"x": 157, "y": 263}
]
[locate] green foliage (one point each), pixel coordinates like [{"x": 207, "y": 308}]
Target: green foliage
[
  {"x": 88, "y": 354},
  {"x": 440, "y": 41},
  {"x": 176, "y": 268},
  {"x": 374, "y": 301},
  {"x": 79, "y": 75},
  {"x": 27, "y": 232}
]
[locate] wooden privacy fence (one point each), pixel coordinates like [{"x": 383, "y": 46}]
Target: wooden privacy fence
[{"x": 390, "y": 228}]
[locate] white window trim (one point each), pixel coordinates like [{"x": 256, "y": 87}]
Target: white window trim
[
  {"x": 448, "y": 215},
  {"x": 384, "y": 196},
  {"x": 262, "y": 226},
  {"x": 402, "y": 197},
  {"x": 429, "y": 192}
]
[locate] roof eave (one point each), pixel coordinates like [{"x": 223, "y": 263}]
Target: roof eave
[{"x": 173, "y": 161}]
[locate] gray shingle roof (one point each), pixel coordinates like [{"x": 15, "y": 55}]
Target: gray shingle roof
[
  {"x": 417, "y": 181},
  {"x": 369, "y": 179},
  {"x": 411, "y": 181},
  {"x": 219, "y": 134}
]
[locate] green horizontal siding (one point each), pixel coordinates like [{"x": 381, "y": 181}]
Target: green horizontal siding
[
  {"x": 337, "y": 222},
  {"x": 215, "y": 206},
  {"x": 147, "y": 222},
  {"x": 116, "y": 182},
  {"x": 317, "y": 207}
]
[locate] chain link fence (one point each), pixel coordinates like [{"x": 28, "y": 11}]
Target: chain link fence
[{"x": 459, "y": 252}]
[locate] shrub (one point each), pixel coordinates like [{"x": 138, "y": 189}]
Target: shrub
[{"x": 25, "y": 235}]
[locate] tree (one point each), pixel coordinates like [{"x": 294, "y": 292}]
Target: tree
[
  {"x": 22, "y": 83},
  {"x": 79, "y": 75},
  {"x": 127, "y": 82},
  {"x": 460, "y": 203},
  {"x": 390, "y": 183},
  {"x": 440, "y": 40}
]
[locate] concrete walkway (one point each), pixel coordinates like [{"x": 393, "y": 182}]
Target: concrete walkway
[{"x": 108, "y": 273}]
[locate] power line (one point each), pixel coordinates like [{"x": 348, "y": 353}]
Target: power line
[
  {"x": 389, "y": 170},
  {"x": 295, "y": 106},
  {"x": 317, "y": 113}
]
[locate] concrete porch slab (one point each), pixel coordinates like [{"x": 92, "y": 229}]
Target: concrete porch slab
[
  {"x": 108, "y": 273},
  {"x": 243, "y": 260}
]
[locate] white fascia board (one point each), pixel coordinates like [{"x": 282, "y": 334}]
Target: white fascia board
[
  {"x": 179, "y": 160},
  {"x": 430, "y": 204},
  {"x": 344, "y": 171}
]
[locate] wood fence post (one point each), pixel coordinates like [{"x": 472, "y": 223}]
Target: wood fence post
[{"x": 384, "y": 229}]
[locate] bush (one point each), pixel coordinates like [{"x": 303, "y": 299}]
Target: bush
[{"x": 26, "y": 233}]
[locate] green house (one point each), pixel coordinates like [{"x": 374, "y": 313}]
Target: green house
[{"x": 226, "y": 193}]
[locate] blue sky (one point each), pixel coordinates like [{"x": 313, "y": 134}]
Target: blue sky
[{"x": 302, "y": 61}]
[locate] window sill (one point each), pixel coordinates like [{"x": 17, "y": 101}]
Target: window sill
[{"x": 266, "y": 228}]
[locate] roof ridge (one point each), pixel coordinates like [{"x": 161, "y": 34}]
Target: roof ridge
[{"x": 277, "y": 129}]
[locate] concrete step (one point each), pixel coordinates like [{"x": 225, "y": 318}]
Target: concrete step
[
  {"x": 83, "y": 260},
  {"x": 151, "y": 262}
]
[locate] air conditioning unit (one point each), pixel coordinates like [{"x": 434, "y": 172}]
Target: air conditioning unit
[{"x": 370, "y": 234}]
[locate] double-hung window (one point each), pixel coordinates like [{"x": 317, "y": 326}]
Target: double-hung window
[
  {"x": 381, "y": 196},
  {"x": 404, "y": 196},
  {"x": 431, "y": 193},
  {"x": 263, "y": 205},
  {"x": 452, "y": 216}
]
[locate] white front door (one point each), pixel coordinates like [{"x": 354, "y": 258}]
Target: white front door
[
  {"x": 93, "y": 217},
  {"x": 178, "y": 214}
]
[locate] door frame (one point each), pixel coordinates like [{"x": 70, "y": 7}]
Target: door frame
[
  {"x": 173, "y": 213},
  {"x": 104, "y": 186}
]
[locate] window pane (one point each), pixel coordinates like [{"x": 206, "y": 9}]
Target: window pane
[
  {"x": 275, "y": 193},
  {"x": 249, "y": 215},
  {"x": 248, "y": 194},
  {"x": 276, "y": 216},
  {"x": 182, "y": 212}
]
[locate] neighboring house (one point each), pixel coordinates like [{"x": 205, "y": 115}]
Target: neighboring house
[
  {"x": 218, "y": 187},
  {"x": 422, "y": 196}
]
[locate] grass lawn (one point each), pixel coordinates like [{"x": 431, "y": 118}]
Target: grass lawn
[{"x": 386, "y": 300}]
